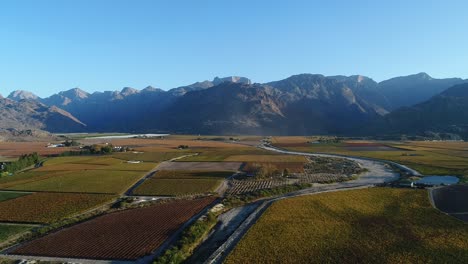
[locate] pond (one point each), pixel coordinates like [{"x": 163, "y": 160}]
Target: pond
[{"x": 438, "y": 180}]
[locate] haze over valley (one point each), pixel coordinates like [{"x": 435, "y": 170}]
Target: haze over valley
[{"x": 299, "y": 105}]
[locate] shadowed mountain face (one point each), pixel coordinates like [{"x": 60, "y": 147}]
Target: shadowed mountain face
[
  {"x": 298, "y": 105},
  {"x": 301, "y": 104},
  {"x": 30, "y": 114},
  {"x": 413, "y": 89},
  {"x": 446, "y": 112}
]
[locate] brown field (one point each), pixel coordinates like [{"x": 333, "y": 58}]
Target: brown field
[
  {"x": 294, "y": 167},
  {"x": 168, "y": 144},
  {"x": 123, "y": 235},
  {"x": 267, "y": 158},
  {"x": 149, "y": 156},
  {"x": 200, "y": 166},
  {"x": 168, "y": 174},
  {"x": 49, "y": 207},
  {"x": 15, "y": 149},
  {"x": 93, "y": 163}
]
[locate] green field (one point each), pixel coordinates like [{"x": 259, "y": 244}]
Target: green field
[
  {"x": 96, "y": 163},
  {"x": 7, "y": 231},
  {"x": 378, "y": 225},
  {"x": 10, "y": 195},
  {"x": 100, "y": 174},
  {"x": 178, "y": 183},
  {"x": 177, "y": 187},
  {"x": 87, "y": 181}
]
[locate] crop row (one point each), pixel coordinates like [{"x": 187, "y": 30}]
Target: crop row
[
  {"x": 176, "y": 187},
  {"x": 376, "y": 225},
  {"x": 246, "y": 186},
  {"x": 48, "y": 207},
  {"x": 321, "y": 178},
  {"x": 123, "y": 235}
]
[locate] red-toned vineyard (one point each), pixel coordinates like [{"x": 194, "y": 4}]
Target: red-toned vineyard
[{"x": 123, "y": 235}]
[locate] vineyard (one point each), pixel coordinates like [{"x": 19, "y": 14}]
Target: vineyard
[
  {"x": 123, "y": 235},
  {"x": 376, "y": 225},
  {"x": 176, "y": 187},
  {"x": 267, "y": 158},
  {"x": 315, "y": 170},
  {"x": 149, "y": 156},
  {"x": 250, "y": 185},
  {"x": 200, "y": 166},
  {"x": 48, "y": 207},
  {"x": 191, "y": 174},
  {"x": 180, "y": 183},
  {"x": 87, "y": 181},
  {"x": 321, "y": 178},
  {"x": 101, "y": 174}
]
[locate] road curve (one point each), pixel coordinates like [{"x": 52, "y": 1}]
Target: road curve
[
  {"x": 377, "y": 173},
  {"x": 362, "y": 160}
]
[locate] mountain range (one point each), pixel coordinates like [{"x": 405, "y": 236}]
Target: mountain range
[{"x": 299, "y": 105}]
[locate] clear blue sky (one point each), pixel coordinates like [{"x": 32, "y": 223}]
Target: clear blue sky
[{"x": 48, "y": 46}]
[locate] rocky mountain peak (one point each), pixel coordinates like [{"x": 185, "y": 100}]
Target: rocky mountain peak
[
  {"x": 126, "y": 91},
  {"x": 233, "y": 79},
  {"x": 75, "y": 93},
  {"x": 21, "y": 94}
]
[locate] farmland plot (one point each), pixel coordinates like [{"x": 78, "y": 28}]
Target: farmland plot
[
  {"x": 191, "y": 174},
  {"x": 86, "y": 181},
  {"x": 10, "y": 195},
  {"x": 123, "y": 235},
  {"x": 251, "y": 185},
  {"x": 7, "y": 230},
  {"x": 49, "y": 207},
  {"x": 178, "y": 183},
  {"x": 149, "y": 156},
  {"x": 267, "y": 158},
  {"x": 201, "y": 166},
  {"x": 176, "y": 187},
  {"x": 293, "y": 167},
  {"x": 376, "y": 225}
]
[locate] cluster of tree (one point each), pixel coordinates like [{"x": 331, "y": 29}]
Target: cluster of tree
[
  {"x": 23, "y": 162},
  {"x": 100, "y": 149},
  {"x": 267, "y": 170},
  {"x": 183, "y": 147},
  {"x": 96, "y": 150},
  {"x": 71, "y": 143}
]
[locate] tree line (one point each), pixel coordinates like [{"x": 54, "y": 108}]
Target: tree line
[{"x": 23, "y": 162}]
